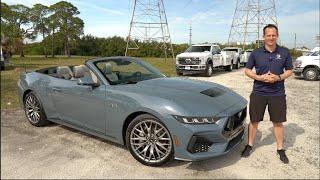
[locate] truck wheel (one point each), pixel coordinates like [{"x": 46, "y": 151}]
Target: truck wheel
[
  {"x": 237, "y": 66},
  {"x": 229, "y": 67},
  {"x": 310, "y": 74},
  {"x": 209, "y": 70}
]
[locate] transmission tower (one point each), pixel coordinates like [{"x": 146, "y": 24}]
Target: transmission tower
[
  {"x": 250, "y": 16},
  {"x": 149, "y": 24}
]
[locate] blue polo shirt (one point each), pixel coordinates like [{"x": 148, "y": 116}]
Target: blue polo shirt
[{"x": 275, "y": 62}]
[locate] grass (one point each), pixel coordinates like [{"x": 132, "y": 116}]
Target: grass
[{"x": 9, "y": 77}]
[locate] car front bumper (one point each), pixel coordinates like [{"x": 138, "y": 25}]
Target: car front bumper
[
  {"x": 205, "y": 141},
  {"x": 298, "y": 71}
]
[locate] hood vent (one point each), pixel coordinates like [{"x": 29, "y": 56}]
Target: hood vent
[{"x": 213, "y": 92}]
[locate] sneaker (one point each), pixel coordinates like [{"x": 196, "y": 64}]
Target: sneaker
[
  {"x": 282, "y": 155},
  {"x": 247, "y": 151}
]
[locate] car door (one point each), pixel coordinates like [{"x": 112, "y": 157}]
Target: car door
[
  {"x": 216, "y": 56},
  {"x": 80, "y": 105}
]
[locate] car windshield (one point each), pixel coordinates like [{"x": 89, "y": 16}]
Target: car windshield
[
  {"x": 127, "y": 71},
  {"x": 198, "y": 49}
]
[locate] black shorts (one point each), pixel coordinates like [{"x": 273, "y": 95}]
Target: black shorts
[{"x": 277, "y": 108}]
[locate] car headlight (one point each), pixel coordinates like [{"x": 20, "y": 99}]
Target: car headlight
[
  {"x": 297, "y": 63},
  {"x": 196, "y": 120}
]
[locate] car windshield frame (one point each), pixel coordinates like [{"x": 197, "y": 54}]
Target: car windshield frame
[
  {"x": 126, "y": 77},
  {"x": 192, "y": 49}
]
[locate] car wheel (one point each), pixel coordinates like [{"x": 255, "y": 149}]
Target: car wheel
[
  {"x": 34, "y": 111},
  {"x": 209, "y": 70},
  {"x": 149, "y": 141},
  {"x": 310, "y": 74}
]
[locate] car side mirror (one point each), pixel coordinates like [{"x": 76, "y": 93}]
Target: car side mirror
[{"x": 87, "y": 81}]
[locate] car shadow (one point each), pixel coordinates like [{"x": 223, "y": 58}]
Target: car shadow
[
  {"x": 292, "y": 130},
  {"x": 93, "y": 137}
]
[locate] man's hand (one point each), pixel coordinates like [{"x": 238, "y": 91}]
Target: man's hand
[{"x": 268, "y": 77}]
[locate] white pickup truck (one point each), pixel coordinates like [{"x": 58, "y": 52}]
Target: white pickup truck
[
  {"x": 308, "y": 66},
  {"x": 202, "y": 58},
  {"x": 245, "y": 57},
  {"x": 237, "y": 53}
]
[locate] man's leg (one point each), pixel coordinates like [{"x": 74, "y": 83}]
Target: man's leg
[
  {"x": 278, "y": 110},
  {"x": 278, "y": 133},
  {"x": 252, "y": 130},
  {"x": 257, "y": 107}
]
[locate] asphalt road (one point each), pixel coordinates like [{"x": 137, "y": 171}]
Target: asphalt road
[{"x": 57, "y": 151}]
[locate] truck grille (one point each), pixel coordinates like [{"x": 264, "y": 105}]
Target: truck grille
[{"x": 189, "y": 61}]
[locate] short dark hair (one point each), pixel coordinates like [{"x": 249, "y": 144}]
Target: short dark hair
[{"x": 270, "y": 26}]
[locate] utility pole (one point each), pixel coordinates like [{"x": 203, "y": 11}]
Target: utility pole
[
  {"x": 149, "y": 24},
  {"x": 190, "y": 35},
  {"x": 295, "y": 43}
]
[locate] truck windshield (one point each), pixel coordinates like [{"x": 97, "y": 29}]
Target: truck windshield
[
  {"x": 198, "y": 49},
  {"x": 236, "y": 50}
]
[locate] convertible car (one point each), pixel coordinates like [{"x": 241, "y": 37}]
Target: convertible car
[{"x": 130, "y": 102}]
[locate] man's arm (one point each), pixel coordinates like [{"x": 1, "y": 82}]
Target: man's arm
[
  {"x": 254, "y": 76},
  {"x": 285, "y": 75}
]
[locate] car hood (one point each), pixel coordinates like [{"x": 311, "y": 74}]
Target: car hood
[
  {"x": 193, "y": 54},
  {"x": 184, "y": 96}
]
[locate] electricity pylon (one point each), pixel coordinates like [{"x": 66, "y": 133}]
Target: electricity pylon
[
  {"x": 250, "y": 16},
  {"x": 149, "y": 24}
]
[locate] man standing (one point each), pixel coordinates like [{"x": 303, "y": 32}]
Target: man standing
[{"x": 273, "y": 64}]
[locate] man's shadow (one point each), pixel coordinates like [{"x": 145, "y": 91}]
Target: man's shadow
[{"x": 292, "y": 130}]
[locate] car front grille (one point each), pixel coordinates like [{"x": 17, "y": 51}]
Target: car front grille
[
  {"x": 198, "y": 144},
  {"x": 235, "y": 121},
  {"x": 234, "y": 141}
]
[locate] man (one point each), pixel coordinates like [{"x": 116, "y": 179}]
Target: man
[{"x": 273, "y": 64}]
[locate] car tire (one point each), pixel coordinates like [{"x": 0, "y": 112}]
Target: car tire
[
  {"x": 34, "y": 110},
  {"x": 149, "y": 141},
  {"x": 310, "y": 74},
  {"x": 209, "y": 70}
]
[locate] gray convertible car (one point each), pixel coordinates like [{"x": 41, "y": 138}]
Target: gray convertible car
[{"x": 130, "y": 102}]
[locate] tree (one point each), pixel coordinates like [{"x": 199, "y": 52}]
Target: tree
[
  {"x": 15, "y": 25},
  {"x": 39, "y": 15},
  {"x": 70, "y": 26}
]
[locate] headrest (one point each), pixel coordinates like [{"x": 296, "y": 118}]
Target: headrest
[
  {"x": 80, "y": 71},
  {"x": 107, "y": 68},
  {"x": 64, "y": 71}
]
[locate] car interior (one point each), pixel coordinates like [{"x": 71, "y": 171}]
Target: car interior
[{"x": 69, "y": 72}]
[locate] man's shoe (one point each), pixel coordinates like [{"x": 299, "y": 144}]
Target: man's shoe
[
  {"x": 247, "y": 151},
  {"x": 282, "y": 155}
]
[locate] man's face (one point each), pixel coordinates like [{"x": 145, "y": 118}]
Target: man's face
[{"x": 270, "y": 36}]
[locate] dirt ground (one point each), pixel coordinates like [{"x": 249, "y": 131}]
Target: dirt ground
[{"x": 56, "y": 151}]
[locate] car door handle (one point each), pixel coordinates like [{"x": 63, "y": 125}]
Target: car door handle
[{"x": 56, "y": 89}]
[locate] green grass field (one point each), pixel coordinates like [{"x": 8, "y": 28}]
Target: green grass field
[{"x": 9, "y": 77}]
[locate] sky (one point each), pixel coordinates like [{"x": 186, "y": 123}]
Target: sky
[{"x": 210, "y": 19}]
